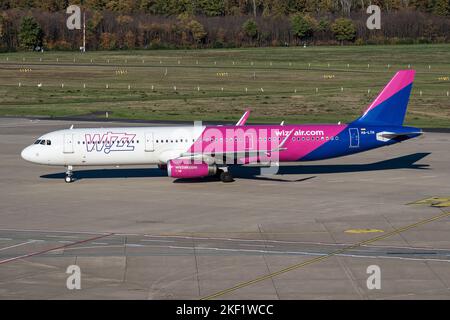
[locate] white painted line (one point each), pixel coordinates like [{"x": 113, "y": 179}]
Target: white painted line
[
  {"x": 17, "y": 245},
  {"x": 5, "y": 239},
  {"x": 92, "y": 247},
  {"x": 256, "y": 245},
  {"x": 134, "y": 245},
  {"x": 175, "y": 247},
  {"x": 54, "y": 231},
  {"x": 65, "y": 241},
  {"x": 101, "y": 243},
  {"x": 65, "y": 237},
  {"x": 157, "y": 240}
]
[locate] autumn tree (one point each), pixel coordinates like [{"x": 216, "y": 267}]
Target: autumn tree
[{"x": 197, "y": 31}]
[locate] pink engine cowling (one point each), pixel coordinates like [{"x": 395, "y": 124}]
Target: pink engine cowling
[{"x": 189, "y": 169}]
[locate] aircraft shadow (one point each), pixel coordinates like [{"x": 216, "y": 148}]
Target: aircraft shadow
[{"x": 254, "y": 172}]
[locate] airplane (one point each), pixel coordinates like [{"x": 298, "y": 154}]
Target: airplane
[{"x": 199, "y": 151}]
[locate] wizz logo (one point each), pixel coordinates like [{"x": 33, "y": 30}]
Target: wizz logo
[{"x": 109, "y": 142}]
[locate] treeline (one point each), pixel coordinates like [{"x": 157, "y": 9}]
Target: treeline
[
  {"x": 213, "y": 8},
  {"x": 152, "y": 24}
]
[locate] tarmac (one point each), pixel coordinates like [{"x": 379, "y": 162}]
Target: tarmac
[{"x": 311, "y": 231}]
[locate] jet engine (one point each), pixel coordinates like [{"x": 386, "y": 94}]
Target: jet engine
[{"x": 189, "y": 169}]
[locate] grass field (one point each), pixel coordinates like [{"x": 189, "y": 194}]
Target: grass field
[{"x": 315, "y": 84}]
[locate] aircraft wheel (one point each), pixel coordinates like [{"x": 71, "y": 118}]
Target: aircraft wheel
[
  {"x": 218, "y": 173},
  {"x": 69, "y": 178},
  {"x": 226, "y": 176}
]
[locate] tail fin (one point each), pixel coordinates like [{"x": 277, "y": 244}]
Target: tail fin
[{"x": 389, "y": 108}]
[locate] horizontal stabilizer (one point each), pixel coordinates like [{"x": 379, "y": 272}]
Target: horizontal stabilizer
[{"x": 385, "y": 136}]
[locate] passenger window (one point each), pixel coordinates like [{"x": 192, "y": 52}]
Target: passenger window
[
  {"x": 49, "y": 142},
  {"x": 37, "y": 142},
  {"x": 42, "y": 142}
]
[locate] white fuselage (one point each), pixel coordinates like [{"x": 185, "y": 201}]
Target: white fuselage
[{"x": 112, "y": 146}]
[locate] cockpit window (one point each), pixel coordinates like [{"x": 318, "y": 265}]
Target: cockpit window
[{"x": 44, "y": 142}]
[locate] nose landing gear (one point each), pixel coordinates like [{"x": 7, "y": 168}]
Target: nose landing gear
[{"x": 69, "y": 175}]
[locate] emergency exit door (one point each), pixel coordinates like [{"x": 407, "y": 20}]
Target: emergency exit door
[{"x": 149, "y": 143}]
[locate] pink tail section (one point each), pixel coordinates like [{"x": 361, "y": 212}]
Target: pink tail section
[
  {"x": 389, "y": 107},
  {"x": 401, "y": 79}
]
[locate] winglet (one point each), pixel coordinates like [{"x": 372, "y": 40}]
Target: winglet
[{"x": 244, "y": 118}]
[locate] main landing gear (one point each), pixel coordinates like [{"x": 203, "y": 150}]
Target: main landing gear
[
  {"x": 162, "y": 167},
  {"x": 69, "y": 175},
  {"x": 224, "y": 175}
]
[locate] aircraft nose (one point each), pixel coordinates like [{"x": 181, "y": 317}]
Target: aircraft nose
[{"x": 27, "y": 154}]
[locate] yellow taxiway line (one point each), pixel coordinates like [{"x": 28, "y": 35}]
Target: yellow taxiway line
[{"x": 321, "y": 258}]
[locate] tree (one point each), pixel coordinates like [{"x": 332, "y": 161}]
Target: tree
[
  {"x": 95, "y": 4},
  {"x": 344, "y": 30},
  {"x": 130, "y": 40},
  {"x": 2, "y": 25},
  {"x": 211, "y": 7},
  {"x": 323, "y": 25},
  {"x": 441, "y": 7},
  {"x": 250, "y": 28},
  {"x": 108, "y": 41},
  {"x": 303, "y": 26},
  {"x": 197, "y": 30},
  {"x": 31, "y": 34}
]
